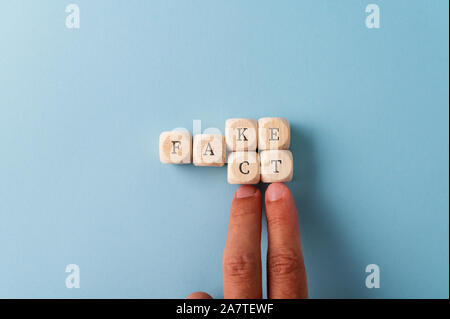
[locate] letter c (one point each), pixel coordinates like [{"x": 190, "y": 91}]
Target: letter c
[{"x": 240, "y": 167}]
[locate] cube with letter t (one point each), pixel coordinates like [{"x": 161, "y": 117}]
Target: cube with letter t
[{"x": 276, "y": 166}]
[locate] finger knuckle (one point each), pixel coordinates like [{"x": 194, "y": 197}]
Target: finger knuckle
[
  {"x": 240, "y": 267},
  {"x": 277, "y": 221},
  {"x": 285, "y": 262}
]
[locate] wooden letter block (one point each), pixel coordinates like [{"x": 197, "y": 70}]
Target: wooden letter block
[
  {"x": 274, "y": 133},
  {"x": 276, "y": 166},
  {"x": 241, "y": 134},
  {"x": 243, "y": 168},
  {"x": 209, "y": 150},
  {"x": 175, "y": 147}
]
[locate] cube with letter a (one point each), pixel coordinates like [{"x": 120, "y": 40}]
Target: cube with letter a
[{"x": 209, "y": 150}]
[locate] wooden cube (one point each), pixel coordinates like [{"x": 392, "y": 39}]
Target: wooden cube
[
  {"x": 241, "y": 134},
  {"x": 274, "y": 133},
  {"x": 209, "y": 150},
  {"x": 276, "y": 166},
  {"x": 175, "y": 147},
  {"x": 243, "y": 168}
]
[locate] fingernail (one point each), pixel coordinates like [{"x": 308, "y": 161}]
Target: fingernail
[
  {"x": 275, "y": 192},
  {"x": 245, "y": 191}
]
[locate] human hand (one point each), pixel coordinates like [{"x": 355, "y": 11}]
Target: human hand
[{"x": 286, "y": 276}]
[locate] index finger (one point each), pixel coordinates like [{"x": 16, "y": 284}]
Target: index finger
[{"x": 242, "y": 256}]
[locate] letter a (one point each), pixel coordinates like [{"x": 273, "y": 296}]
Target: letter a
[
  {"x": 373, "y": 19},
  {"x": 208, "y": 149},
  {"x": 373, "y": 279},
  {"x": 73, "y": 280},
  {"x": 73, "y": 19}
]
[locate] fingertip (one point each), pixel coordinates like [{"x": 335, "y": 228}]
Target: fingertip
[
  {"x": 246, "y": 191},
  {"x": 276, "y": 191},
  {"x": 279, "y": 202},
  {"x": 199, "y": 295}
]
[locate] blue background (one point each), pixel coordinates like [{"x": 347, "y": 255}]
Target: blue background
[{"x": 81, "y": 112}]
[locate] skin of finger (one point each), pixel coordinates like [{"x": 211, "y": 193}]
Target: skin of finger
[
  {"x": 242, "y": 255},
  {"x": 199, "y": 295},
  {"x": 286, "y": 275}
]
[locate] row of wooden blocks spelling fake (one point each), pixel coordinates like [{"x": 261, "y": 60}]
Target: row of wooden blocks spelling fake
[{"x": 257, "y": 150}]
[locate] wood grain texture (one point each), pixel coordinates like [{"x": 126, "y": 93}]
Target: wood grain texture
[
  {"x": 175, "y": 147},
  {"x": 241, "y": 134},
  {"x": 276, "y": 166},
  {"x": 209, "y": 150},
  {"x": 243, "y": 168},
  {"x": 274, "y": 133}
]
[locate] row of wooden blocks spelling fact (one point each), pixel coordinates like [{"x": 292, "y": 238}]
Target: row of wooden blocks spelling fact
[{"x": 257, "y": 150}]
